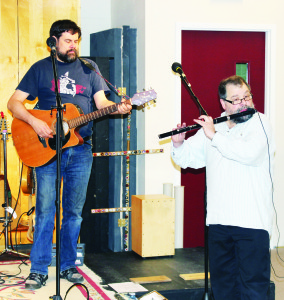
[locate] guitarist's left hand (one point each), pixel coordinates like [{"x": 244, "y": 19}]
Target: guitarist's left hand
[
  {"x": 102, "y": 102},
  {"x": 124, "y": 108}
]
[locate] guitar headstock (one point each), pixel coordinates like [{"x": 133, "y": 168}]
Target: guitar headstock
[
  {"x": 3, "y": 123},
  {"x": 143, "y": 97}
]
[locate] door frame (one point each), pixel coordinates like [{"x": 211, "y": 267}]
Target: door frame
[{"x": 270, "y": 66}]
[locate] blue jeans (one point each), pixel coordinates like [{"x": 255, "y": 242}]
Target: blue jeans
[
  {"x": 76, "y": 168},
  {"x": 239, "y": 260}
]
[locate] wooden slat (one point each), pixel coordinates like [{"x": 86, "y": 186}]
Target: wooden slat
[
  {"x": 24, "y": 26},
  {"x": 193, "y": 276},
  {"x": 9, "y": 80},
  {"x": 151, "y": 279}
]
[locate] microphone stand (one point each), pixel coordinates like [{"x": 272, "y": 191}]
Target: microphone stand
[
  {"x": 59, "y": 138},
  {"x": 188, "y": 86},
  {"x": 206, "y": 295}
]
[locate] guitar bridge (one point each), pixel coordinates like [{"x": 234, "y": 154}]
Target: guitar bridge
[{"x": 43, "y": 141}]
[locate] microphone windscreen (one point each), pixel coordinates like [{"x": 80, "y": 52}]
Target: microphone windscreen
[
  {"x": 249, "y": 111},
  {"x": 176, "y": 67},
  {"x": 51, "y": 42}
]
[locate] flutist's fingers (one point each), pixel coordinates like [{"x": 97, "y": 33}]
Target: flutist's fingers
[
  {"x": 208, "y": 126},
  {"x": 180, "y": 126},
  {"x": 178, "y": 138}
]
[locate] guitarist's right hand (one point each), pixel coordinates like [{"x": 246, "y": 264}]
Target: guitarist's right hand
[
  {"x": 41, "y": 128},
  {"x": 16, "y": 106}
]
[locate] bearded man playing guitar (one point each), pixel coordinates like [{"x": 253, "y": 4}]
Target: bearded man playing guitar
[{"x": 80, "y": 86}]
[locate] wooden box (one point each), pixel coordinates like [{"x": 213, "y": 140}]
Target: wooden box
[{"x": 153, "y": 225}]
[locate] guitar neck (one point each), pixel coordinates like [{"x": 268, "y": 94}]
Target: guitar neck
[{"x": 73, "y": 123}]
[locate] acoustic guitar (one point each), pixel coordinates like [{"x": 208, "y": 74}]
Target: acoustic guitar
[{"x": 35, "y": 151}]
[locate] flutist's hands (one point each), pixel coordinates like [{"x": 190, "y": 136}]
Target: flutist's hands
[
  {"x": 208, "y": 126},
  {"x": 178, "y": 138},
  {"x": 205, "y": 121}
]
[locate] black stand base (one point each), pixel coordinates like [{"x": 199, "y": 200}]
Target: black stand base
[
  {"x": 207, "y": 296},
  {"x": 55, "y": 297},
  {"x": 9, "y": 254}
]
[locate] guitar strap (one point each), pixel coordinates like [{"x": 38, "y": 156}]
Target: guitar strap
[{"x": 89, "y": 65}]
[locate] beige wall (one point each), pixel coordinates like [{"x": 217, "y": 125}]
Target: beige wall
[{"x": 159, "y": 49}]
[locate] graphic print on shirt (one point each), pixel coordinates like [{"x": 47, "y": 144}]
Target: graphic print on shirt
[{"x": 68, "y": 86}]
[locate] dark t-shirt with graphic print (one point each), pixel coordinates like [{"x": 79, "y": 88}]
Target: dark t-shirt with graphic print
[{"x": 77, "y": 85}]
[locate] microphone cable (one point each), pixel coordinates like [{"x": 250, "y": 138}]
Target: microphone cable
[{"x": 272, "y": 189}]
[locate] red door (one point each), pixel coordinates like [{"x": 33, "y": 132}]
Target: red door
[{"x": 207, "y": 58}]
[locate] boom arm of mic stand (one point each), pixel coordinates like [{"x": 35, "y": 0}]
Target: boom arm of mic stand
[{"x": 188, "y": 86}]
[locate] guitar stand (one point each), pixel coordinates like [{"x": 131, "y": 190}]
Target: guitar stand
[{"x": 6, "y": 220}]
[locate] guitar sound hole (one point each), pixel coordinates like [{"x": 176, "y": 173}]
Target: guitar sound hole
[{"x": 52, "y": 141}]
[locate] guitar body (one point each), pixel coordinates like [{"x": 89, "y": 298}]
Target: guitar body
[{"x": 35, "y": 151}]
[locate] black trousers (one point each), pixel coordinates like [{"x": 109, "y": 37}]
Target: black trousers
[{"x": 239, "y": 262}]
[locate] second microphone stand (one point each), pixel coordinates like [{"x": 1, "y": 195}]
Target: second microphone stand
[{"x": 206, "y": 295}]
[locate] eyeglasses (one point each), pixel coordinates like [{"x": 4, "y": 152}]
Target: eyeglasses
[{"x": 238, "y": 101}]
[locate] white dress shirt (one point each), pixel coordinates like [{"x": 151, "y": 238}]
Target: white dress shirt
[{"x": 239, "y": 163}]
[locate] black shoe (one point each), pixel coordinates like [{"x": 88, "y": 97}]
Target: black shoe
[
  {"x": 35, "y": 281},
  {"x": 72, "y": 275}
]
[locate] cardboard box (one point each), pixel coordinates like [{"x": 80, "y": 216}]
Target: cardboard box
[{"x": 153, "y": 225}]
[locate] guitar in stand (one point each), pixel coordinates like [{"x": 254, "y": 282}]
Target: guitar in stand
[
  {"x": 28, "y": 187},
  {"x": 7, "y": 218},
  {"x": 13, "y": 208}
]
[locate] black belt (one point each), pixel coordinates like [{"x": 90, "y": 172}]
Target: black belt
[{"x": 87, "y": 138}]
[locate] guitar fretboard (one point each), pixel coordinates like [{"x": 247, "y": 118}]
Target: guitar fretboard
[{"x": 73, "y": 123}]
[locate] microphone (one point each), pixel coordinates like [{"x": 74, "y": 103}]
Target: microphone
[
  {"x": 176, "y": 67},
  {"x": 51, "y": 43},
  {"x": 31, "y": 211}
]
